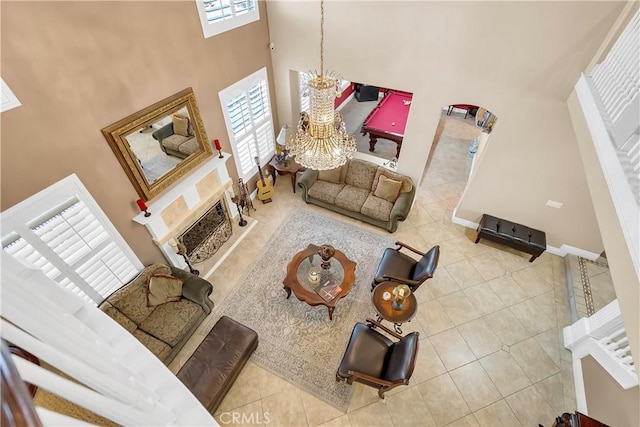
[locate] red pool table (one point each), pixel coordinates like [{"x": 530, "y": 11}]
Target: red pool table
[{"x": 388, "y": 119}]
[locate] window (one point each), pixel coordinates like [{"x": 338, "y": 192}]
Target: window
[
  {"x": 8, "y": 100},
  {"x": 247, "y": 113},
  {"x": 303, "y": 89},
  {"x": 63, "y": 232},
  {"x": 218, "y": 16}
]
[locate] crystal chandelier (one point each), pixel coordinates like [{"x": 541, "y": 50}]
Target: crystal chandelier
[{"x": 321, "y": 141}]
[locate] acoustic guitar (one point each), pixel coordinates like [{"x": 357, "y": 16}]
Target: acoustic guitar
[{"x": 264, "y": 187}]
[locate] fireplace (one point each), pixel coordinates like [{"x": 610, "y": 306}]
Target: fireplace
[
  {"x": 208, "y": 234},
  {"x": 194, "y": 210}
]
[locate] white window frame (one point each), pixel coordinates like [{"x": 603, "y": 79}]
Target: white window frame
[
  {"x": 16, "y": 220},
  {"x": 246, "y": 170},
  {"x": 8, "y": 100},
  {"x": 210, "y": 29}
]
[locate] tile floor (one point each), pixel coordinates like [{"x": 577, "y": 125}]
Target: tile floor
[{"x": 490, "y": 323}]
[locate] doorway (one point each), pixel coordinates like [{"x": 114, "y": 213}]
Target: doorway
[{"x": 457, "y": 139}]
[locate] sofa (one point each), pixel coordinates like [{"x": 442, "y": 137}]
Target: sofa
[
  {"x": 361, "y": 190},
  {"x": 164, "y": 328},
  {"x": 177, "y": 138}
]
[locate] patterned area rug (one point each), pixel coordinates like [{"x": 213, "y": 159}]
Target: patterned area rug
[
  {"x": 296, "y": 341},
  {"x": 158, "y": 165}
]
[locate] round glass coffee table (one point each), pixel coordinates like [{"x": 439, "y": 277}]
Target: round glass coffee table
[{"x": 328, "y": 286}]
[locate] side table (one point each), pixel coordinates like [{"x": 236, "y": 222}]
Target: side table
[
  {"x": 284, "y": 167},
  {"x": 387, "y": 312}
]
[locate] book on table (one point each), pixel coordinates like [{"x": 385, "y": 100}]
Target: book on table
[{"x": 329, "y": 291}]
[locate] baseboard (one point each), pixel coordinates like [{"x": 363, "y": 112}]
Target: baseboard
[
  {"x": 565, "y": 250},
  {"x": 562, "y": 251},
  {"x": 463, "y": 222}
]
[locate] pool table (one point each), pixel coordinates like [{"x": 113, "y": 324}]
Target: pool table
[{"x": 388, "y": 119}]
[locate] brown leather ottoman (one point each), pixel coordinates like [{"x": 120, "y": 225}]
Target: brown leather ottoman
[{"x": 214, "y": 366}]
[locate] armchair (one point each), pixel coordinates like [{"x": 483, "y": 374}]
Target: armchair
[
  {"x": 398, "y": 267},
  {"x": 377, "y": 361}
]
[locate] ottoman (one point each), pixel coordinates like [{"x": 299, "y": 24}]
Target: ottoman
[{"x": 214, "y": 366}]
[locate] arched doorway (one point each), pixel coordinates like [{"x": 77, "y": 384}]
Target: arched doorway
[{"x": 462, "y": 131}]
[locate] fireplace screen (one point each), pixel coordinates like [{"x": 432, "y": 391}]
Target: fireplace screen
[{"x": 208, "y": 234}]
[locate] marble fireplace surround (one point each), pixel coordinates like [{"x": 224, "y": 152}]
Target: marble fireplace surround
[{"x": 185, "y": 203}]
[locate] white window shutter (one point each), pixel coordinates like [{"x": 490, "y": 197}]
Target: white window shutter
[
  {"x": 21, "y": 249},
  {"x": 247, "y": 111},
  {"x": 218, "y": 16},
  {"x": 303, "y": 82},
  {"x": 72, "y": 242}
]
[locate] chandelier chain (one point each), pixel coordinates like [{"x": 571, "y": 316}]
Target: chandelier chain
[{"x": 321, "y": 38}]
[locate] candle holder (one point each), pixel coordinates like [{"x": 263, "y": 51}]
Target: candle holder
[
  {"x": 400, "y": 292},
  {"x": 314, "y": 275},
  {"x": 218, "y": 147},
  {"x": 183, "y": 251},
  {"x": 240, "y": 207},
  {"x": 143, "y": 207}
]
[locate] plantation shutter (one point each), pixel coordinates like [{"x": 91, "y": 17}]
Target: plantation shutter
[
  {"x": 71, "y": 246},
  {"x": 220, "y": 10},
  {"x": 249, "y": 122},
  {"x": 19, "y": 248},
  {"x": 261, "y": 112},
  {"x": 305, "y": 102}
]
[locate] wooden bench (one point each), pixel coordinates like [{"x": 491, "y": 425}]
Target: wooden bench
[
  {"x": 514, "y": 235},
  {"x": 214, "y": 366}
]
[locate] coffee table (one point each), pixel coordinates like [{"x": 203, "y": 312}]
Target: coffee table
[
  {"x": 342, "y": 272},
  {"x": 387, "y": 312}
]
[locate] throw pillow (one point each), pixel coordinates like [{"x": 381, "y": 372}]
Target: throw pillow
[
  {"x": 181, "y": 125},
  {"x": 163, "y": 288},
  {"x": 387, "y": 189},
  {"x": 406, "y": 181},
  {"x": 332, "y": 175}
]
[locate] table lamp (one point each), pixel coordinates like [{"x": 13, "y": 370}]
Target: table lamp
[{"x": 282, "y": 154}]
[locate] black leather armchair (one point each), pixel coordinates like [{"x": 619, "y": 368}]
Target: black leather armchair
[
  {"x": 373, "y": 359},
  {"x": 398, "y": 267}
]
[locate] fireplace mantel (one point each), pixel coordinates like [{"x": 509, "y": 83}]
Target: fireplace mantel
[{"x": 183, "y": 204}]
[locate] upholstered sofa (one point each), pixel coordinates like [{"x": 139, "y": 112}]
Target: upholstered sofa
[
  {"x": 176, "y": 138},
  {"x": 165, "y": 328},
  {"x": 361, "y": 190}
]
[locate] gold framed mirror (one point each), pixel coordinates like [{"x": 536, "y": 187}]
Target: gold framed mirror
[{"x": 158, "y": 145}]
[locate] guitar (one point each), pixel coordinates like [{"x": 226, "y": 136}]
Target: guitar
[{"x": 264, "y": 187}]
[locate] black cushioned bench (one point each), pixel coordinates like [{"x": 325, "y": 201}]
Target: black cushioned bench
[
  {"x": 517, "y": 236},
  {"x": 214, "y": 366}
]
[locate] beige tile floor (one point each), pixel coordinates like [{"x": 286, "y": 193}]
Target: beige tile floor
[{"x": 490, "y": 324}]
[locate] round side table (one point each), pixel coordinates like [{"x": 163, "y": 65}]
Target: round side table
[{"x": 387, "y": 312}]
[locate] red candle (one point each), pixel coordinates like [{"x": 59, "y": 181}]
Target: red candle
[
  {"x": 217, "y": 143},
  {"x": 141, "y": 205}
]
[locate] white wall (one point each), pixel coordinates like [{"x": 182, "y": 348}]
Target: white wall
[{"x": 518, "y": 59}]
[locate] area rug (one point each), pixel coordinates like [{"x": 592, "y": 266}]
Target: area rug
[
  {"x": 296, "y": 341},
  {"x": 158, "y": 165}
]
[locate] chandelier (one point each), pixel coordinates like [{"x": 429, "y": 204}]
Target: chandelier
[{"x": 321, "y": 141}]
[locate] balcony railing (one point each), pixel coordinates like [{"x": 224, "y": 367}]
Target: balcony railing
[
  {"x": 616, "y": 86},
  {"x": 603, "y": 337},
  {"x": 610, "y": 100}
]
